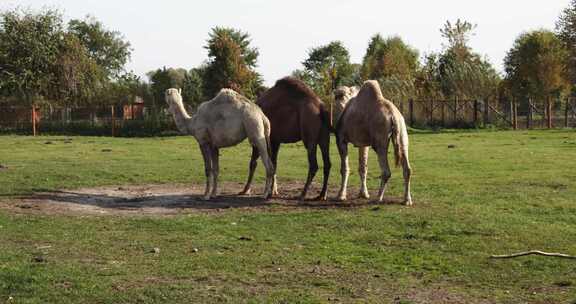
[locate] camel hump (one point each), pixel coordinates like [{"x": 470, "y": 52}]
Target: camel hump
[
  {"x": 229, "y": 96},
  {"x": 295, "y": 88},
  {"x": 371, "y": 91}
]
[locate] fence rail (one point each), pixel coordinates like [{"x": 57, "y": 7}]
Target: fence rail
[{"x": 140, "y": 120}]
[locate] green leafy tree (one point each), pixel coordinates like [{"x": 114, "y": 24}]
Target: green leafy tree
[
  {"x": 428, "y": 80},
  {"x": 108, "y": 48},
  {"x": 536, "y": 65},
  {"x": 566, "y": 31},
  {"x": 231, "y": 63},
  {"x": 462, "y": 73},
  {"x": 165, "y": 78},
  {"x": 77, "y": 76},
  {"x": 30, "y": 46},
  {"x": 328, "y": 67},
  {"x": 389, "y": 57},
  {"x": 192, "y": 86},
  {"x": 394, "y": 64}
]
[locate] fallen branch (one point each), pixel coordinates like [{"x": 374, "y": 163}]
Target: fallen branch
[{"x": 533, "y": 252}]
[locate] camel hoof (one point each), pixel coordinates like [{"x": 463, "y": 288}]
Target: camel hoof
[
  {"x": 363, "y": 195},
  {"x": 408, "y": 203},
  {"x": 321, "y": 198},
  {"x": 206, "y": 198},
  {"x": 246, "y": 192},
  {"x": 341, "y": 198}
]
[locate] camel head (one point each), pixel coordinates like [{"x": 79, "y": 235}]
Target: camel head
[
  {"x": 342, "y": 95},
  {"x": 173, "y": 98}
]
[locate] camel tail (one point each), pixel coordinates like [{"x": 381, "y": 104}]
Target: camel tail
[
  {"x": 325, "y": 117},
  {"x": 267, "y": 134},
  {"x": 399, "y": 139}
]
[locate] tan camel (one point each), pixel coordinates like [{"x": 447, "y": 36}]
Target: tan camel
[
  {"x": 224, "y": 121},
  {"x": 366, "y": 119}
]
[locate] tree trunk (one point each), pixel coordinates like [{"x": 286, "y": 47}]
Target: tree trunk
[
  {"x": 431, "y": 119},
  {"x": 33, "y": 120},
  {"x": 411, "y": 109},
  {"x": 529, "y": 115},
  {"x": 443, "y": 116},
  {"x": 550, "y": 114},
  {"x": 475, "y": 112},
  {"x": 455, "y": 112},
  {"x": 567, "y": 104},
  {"x": 515, "y": 114},
  {"x": 113, "y": 122},
  {"x": 486, "y": 113}
]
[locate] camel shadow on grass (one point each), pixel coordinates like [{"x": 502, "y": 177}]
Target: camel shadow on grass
[{"x": 179, "y": 200}]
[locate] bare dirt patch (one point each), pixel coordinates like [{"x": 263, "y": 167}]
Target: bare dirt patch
[{"x": 169, "y": 200}]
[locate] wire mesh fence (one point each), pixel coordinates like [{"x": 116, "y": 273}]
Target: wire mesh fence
[{"x": 143, "y": 120}]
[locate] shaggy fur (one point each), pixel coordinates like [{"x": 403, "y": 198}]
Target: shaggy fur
[
  {"x": 296, "y": 114},
  {"x": 222, "y": 122},
  {"x": 369, "y": 120}
]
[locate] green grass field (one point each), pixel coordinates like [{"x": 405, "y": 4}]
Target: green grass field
[{"x": 494, "y": 193}]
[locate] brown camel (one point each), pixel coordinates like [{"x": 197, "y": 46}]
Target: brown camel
[
  {"x": 295, "y": 114},
  {"x": 369, "y": 120}
]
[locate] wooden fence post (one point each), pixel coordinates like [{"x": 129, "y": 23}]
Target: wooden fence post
[
  {"x": 33, "y": 120},
  {"x": 113, "y": 121},
  {"x": 411, "y": 109}
]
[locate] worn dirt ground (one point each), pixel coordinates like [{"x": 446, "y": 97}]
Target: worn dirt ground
[{"x": 172, "y": 199}]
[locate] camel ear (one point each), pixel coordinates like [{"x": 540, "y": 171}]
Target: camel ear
[{"x": 180, "y": 91}]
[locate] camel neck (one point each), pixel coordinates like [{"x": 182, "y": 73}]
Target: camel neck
[{"x": 181, "y": 117}]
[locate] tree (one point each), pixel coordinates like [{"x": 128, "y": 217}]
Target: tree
[
  {"x": 427, "y": 81},
  {"x": 566, "y": 31},
  {"x": 328, "y": 67},
  {"x": 462, "y": 73},
  {"x": 107, "y": 48},
  {"x": 164, "y": 79},
  {"x": 77, "y": 76},
  {"x": 394, "y": 64},
  {"x": 536, "y": 66},
  {"x": 231, "y": 63},
  {"x": 30, "y": 46},
  {"x": 42, "y": 61},
  {"x": 389, "y": 57},
  {"x": 192, "y": 86}
]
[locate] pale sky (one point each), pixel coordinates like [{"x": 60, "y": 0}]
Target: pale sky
[{"x": 172, "y": 33}]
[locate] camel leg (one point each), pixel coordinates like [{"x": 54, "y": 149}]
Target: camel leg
[
  {"x": 407, "y": 171},
  {"x": 312, "y": 168},
  {"x": 263, "y": 150},
  {"x": 275, "y": 149},
  {"x": 325, "y": 150},
  {"x": 252, "y": 168},
  {"x": 344, "y": 168},
  {"x": 206, "y": 155},
  {"x": 363, "y": 170},
  {"x": 382, "y": 152},
  {"x": 215, "y": 170}
]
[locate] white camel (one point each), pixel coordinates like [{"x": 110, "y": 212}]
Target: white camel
[
  {"x": 366, "y": 119},
  {"x": 224, "y": 121}
]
